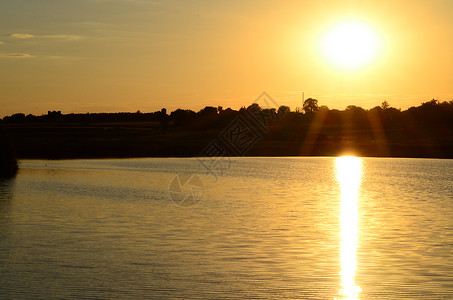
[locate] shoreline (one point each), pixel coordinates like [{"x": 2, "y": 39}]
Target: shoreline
[{"x": 207, "y": 157}]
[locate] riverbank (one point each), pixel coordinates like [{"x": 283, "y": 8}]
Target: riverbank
[
  {"x": 144, "y": 139},
  {"x": 8, "y": 163}
]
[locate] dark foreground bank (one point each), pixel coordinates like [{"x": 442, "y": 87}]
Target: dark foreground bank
[
  {"x": 8, "y": 163},
  {"x": 383, "y": 131},
  {"x": 56, "y": 141}
]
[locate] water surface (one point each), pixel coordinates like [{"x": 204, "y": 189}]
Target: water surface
[{"x": 268, "y": 228}]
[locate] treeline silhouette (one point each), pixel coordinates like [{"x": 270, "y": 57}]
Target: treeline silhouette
[
  {"x": 8, "y": 163},
  {"x": 422, "y": 131}
]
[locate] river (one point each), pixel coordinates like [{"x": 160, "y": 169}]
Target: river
[{"x": 228, "y": 228}]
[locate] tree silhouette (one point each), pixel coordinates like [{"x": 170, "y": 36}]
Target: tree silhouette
[
  {"x": 422, "y": 131},
  {"x": 310, "y": 106},
  {"x": 283, "y": 110},
  {"x": 8, "y": 164},
  {"x": 255, "y": 107}
]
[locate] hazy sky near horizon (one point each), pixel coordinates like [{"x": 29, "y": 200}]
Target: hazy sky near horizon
[{"x": 128, "y": 55}]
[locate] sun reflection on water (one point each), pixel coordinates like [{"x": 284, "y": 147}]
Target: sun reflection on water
[{"x": 349, "y": 175}]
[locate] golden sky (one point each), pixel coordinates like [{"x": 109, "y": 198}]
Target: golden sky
[{"x": 129, "y": 55}]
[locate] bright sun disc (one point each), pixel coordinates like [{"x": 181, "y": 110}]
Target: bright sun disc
[{"x": 350, "y": 44}]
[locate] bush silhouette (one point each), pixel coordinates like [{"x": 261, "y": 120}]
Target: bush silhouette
[{"x": 8, "y": 164}]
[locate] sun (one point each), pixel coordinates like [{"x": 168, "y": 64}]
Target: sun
[{"x": 350, "y": 44}]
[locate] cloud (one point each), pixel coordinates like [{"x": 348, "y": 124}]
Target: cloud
[
  {"x": 1, "y": 43},
  {"x": 22, "y": 36},
  {"x": 53, "y": 57},
  {"x": 16, "y": 55},
  {"x": 68, "y": 37}
]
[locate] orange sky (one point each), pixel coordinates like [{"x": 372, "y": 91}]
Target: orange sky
[{"x": 129, "y": 55}]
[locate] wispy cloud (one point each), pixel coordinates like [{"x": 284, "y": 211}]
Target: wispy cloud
[
  {"x": 1, "y": 43},
  {"x": 68, "y": 37},
  {"x": 53, "y": 57},
  {"x": 22, "y": 36},
  {"x": 16, "y": 55}
]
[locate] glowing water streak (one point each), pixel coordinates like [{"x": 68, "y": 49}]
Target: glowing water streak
[{"x": 349, "y": 175}]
